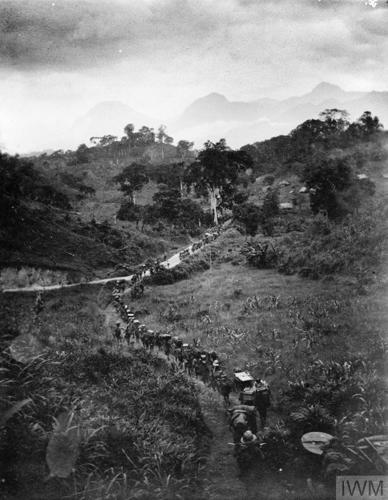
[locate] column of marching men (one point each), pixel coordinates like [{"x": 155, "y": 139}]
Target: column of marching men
[{"x": 254, "y": 395}]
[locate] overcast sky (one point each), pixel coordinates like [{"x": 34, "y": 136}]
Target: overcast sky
[{"x": 58, "y": 58}]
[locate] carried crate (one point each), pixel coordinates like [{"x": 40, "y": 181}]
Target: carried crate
[{"x": 243, "y": 380}]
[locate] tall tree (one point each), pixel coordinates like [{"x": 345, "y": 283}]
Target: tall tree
[
  {"x": 132, "y": 179},
  {"x": 270, "y": 210},
  {"x": 163, "y": 138},
  {"x": 215, "y": 172},
  {"x": 369, "y": 124},
  {"x": 183, "y": 148},
  {"x": 81, "y": 154},
  {"x": 145, "y": 136},
  {"x": 327, "y": 178}
]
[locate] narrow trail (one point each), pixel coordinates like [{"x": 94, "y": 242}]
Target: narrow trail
[
  {"x": 220, "y": 477},
  {"x": 171, "y": 262}
]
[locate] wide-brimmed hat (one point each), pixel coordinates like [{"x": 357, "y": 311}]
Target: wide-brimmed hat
[{"x": 248, "y": 437}]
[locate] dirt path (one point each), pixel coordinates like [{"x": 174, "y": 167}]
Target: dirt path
[
  {"x": 171, "y": 262},
  {"x": 221, "y": 476}
]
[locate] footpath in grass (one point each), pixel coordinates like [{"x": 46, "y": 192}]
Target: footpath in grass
[{"x": 218, "y": 479}]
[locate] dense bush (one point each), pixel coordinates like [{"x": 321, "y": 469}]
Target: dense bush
[
  {"x": 21, "y": 182},
  {"x": 183, "y": 271},
  {"x": 350, "y": 391},
  {"x": 130, "y": 420},
  {"x": 260, "y": 254},
  {"x": 352, "y": 246}
]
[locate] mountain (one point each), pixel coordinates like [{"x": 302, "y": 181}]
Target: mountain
[
  {"x": 216, "y": 107},
  {"x": 214, "y": 116},
  {"x": 109, "y": 117}
]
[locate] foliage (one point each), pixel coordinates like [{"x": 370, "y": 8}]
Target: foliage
[
  {"x": 81, "y": 154},
  {"x": 351, "y": 246},
  {"x": 21, "y": 182},
  {"x": 248, "y": 214},
  {"x": 131, "y": 179},
  {"x": 326, "y": 178},
  {"x": 114, "y": 414},
  {"x": 63, "y": 447},
  {"x": 184, "y": 212},
  {"x": 216, "y": 169},
  {"x": 310, "y": 418},
  {"x": 292, "y": 152},
  {"x": 129, "y": 211},
  {"x": 183, "y": 148},
  {"x": 183, "y": 271},
  {"x": 270, "y": 210},
  {"x": 261, "y": 255}
]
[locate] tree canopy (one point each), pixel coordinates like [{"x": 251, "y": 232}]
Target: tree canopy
[
  {"x": 132, "y": 179},
  {"x": 216, "y": 170}
]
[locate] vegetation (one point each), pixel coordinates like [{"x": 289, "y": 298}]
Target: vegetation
[
  {"x": 126, "y": 423},
  {"x": 215, "y": 172},
  {"x": 119, "y": 423}
]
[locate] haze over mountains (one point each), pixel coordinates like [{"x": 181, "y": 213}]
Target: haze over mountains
[{"x": 214, "y": 116}]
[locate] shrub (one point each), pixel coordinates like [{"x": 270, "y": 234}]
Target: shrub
[
  {"x": 183, "y": 271},
  {"x": 352, "y": 246},
  {"x": 260, "y": 254}
]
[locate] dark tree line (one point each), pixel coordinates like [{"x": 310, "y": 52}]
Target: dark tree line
[{"x": 21, "y": 182}]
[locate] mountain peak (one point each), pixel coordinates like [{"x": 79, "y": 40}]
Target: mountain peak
[
  {"x": 214, "y": 97},
  {"x": 325, "y": 87}
]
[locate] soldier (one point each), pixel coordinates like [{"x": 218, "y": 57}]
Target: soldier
[
  {"x": 203, "y": 369},
  {"x": 151, "y": 339},
  {"x": 117, "y": 331},
  {"x": 215, "y": 373},
  {"x": 191, "y": 360},
  {"x": 38, "y": 306},
  {"x": 136, "y": 328},
  {"x": 167, "y": 345},
  {"x": 213, "y": 356},
  {"x": 248, "y": 452},
  {"x": 225, "y": 387},
  {"x": 158, "y": 340},
  {"x": 145, "y": 338},
  {"x": 128, "y": 333},
  {"x": 242, "y": 418},
  {"x": 262, "y": 400}
]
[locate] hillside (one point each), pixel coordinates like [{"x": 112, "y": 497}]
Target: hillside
[
  {"x": 291, "y": 287},
  {"x": 137, "y": 435},
  {"x": 54, "y": 219}
]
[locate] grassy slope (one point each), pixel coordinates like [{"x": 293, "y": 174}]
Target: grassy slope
[
  {"x": 54, "y": 239},
  {"x": 217, "y": 307},
  {"x": 135, "y": 405},
  {"x": 47, "y": 239}
]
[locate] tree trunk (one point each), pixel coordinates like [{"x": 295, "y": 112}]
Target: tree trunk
[{"x": 213, "y": 205}]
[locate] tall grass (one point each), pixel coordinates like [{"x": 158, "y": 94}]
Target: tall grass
[{"x": 140, "y": 427}]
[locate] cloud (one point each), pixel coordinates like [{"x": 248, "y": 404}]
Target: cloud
[
  {"x": 159, "y": 55},
  {"x": 72, "y": 34}
]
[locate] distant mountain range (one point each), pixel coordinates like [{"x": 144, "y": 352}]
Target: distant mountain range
[{"x": 214, "y": 116}]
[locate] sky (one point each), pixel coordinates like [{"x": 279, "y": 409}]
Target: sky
[{"x": 59, "y": 58}]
